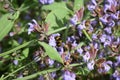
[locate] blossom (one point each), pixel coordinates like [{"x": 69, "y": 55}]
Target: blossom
[
  {"x": 104, "y": 18},
  {"x": 104, "y": 68},
  {"x": 92, "y": 5},
  {"x": 32, "y": 26},
  {"x": 52, "y": 41},
  {"x": 91, "y": 64},
  {"x": 111, "y": 23},
  {"x": 68, "y": 76},
  {"x": 108, "y": 30},
  {"x": 15, "y": 62},
  {"x": 108, "y": 41},
  {"x": 50, "y": 62},
  {"x": 71, "y": 39},
  {"x": 74, "y": 20},
  {"x": 94, "y": 36},
  {"x": 81, "y": 26},
  {"x": 117, "y": 63},
  {"x": 103, "y": 37},
  {"x": 86, "y": 57},
  {"x": 80, "y": 50},
  {"x": 115, "y": 15},
  {"x": 60, "y": 50},
  {"x": 110, "y": 5},
  {"x": 116, "y": 75},
  {"x": 46, "y": 1}
]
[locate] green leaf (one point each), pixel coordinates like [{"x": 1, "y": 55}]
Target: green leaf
[
  {"x": 15, "y": 43},
  {"x": 51, "y": 52},
  {"x": 24, "y": 54},
  {"x": 55, "y": 6},
  {"x": 6, "y": 24},
  {"x": 78, "y": 4},
  {"x": 59, "y": 13},
  {"x": 55, "y": 19}
]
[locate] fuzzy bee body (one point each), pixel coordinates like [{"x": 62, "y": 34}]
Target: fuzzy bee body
[{"x": 58, "y": 41}]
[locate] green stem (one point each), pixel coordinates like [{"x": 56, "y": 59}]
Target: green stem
[
  {"x": 38, "y": 73},
  {"x": 57, "y": 30},
  {"x": 87, "y": 35},
  {"x": 66, "y": 32},
  {"x": 19, "y": 47}
]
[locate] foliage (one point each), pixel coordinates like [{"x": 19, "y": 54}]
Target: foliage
[{"x": 59, "y": 39}]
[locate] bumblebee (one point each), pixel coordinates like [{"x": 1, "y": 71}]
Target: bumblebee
[{"x": 58, "y": 41}]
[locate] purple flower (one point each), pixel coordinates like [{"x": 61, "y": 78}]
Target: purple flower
[
  {"x": 52, "y": 40},
  {"x": 111, "y": 23},
  {"x": 104, "y": 19},
  {"x": 103, "y": 38},
  {"x": 108, "y": 30},
  {"x": 81, "y": 26},
  {"x": 94, "y": 23},
  {"x": 15, "y": 62},
  {"x": 92, "y": 5},
  {"x": 110, "y": 5},
  {"x": 60, "y": 50},
  {"x": 108, "y": 40},
  {"x": 105, "y": 68},
  {"x": 80, "y": 50},
  {"x": 118, "y": 61},
  {"x": 50, "y": 62},
  {"x": 90, "y": 30},
  {"x": 68, "y": 76},
  {"x": 74, "y": 20},
  {"x": 74, "y": 44},
  {"x": 118, "y": 40},
  {"x": 50, "y": 1},
  {"x": 32, "y": 25},
  {"x": 71, "y": 39},
  {"x": 109, "y": 62},
  {"x": 67, "y": 56},
  {"x": 41, "y": 78},
  {"x": 96, "y": 45},
  {"x": 94, "y": 36},
  {"x": 46, "y": 1},
  {"x": 11, "y": 34},
  {"x": 91, "y": 64},
  {"x": 116, "y": 15},
  {"x": 116, "y": 75},
  {"x": 86, "y": 57}
]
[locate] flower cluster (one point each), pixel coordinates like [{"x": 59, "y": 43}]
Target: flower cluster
[{"x": 100, "y": 41}]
